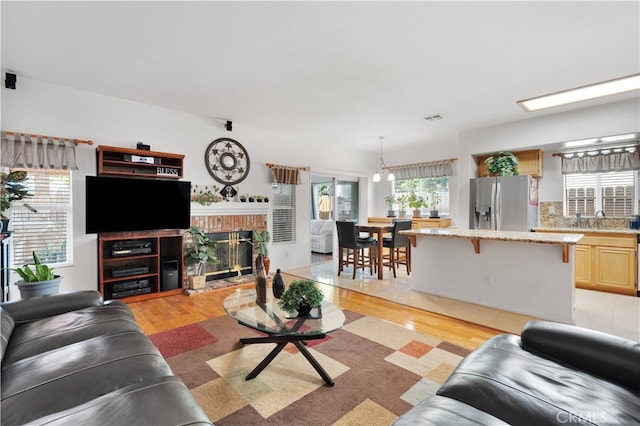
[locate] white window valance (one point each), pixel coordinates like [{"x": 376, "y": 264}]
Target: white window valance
[
  {"x": 601, "y": 161},
  {"x": 423, "y": 170},
  {"x": 37, "y": 152}
]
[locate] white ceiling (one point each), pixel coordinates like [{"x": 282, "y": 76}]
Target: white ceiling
[{"x": 328, "y": 72}]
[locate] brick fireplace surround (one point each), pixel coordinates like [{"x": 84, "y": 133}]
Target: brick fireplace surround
[{"x": 225, "y": 217}]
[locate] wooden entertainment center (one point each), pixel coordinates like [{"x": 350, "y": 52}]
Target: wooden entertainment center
[{"x": 139, "y": 265}]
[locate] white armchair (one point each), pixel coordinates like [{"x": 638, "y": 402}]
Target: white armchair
[{"x": 322, "y": 235}]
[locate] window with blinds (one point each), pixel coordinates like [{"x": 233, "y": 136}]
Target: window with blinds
[
  {"x": 283, "y": 213},
  {"x": 49, "y": 229},
  {"x": 613, "y": 193}
]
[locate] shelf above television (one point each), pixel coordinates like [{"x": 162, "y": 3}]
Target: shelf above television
[{"x": 136, "y": 163}]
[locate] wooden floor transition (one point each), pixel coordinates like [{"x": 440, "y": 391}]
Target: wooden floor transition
[{"x": 165, "y": 313}]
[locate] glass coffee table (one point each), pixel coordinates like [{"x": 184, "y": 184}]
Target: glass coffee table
[{"x": 281, "y": 327}]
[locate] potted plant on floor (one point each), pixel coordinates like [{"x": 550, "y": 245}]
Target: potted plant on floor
[
  {"x": 37, "y": 281},
  {"x": 390, "y": 199},
  {"x": 201, "y": 252},
  {"x": 301, "y": 296}
]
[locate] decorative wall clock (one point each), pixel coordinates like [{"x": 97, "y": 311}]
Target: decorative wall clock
[{"x": 227, "y": 161}]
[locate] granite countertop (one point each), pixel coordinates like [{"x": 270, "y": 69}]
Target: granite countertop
[
  {"x": 590, "y": 230},
  {"x": 527, "y": 237}
]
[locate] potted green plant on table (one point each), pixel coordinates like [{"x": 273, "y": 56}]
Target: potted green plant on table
[
  {"x": 12, "y": 188},
  {"x": 416, "y": 202},
  {"x": 301, "y": 296},
  {"x": 37, "y": 281},
  {"x": 434, "y": 200},
  {"x": 390, "y": 200},
  {"x": 200, "y": 252},
  {"x": 403, "y": 201},
  {"x": 502, "y": 163},
  {"x": 260, "y": 240}
]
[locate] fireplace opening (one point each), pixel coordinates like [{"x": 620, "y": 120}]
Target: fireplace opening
[{"x": 234, "y": 252}]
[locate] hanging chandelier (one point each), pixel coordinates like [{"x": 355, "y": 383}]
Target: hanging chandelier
[{"x": 382, "y": 168}]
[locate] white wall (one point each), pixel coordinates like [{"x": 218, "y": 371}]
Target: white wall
[{"x": 42, "y": 108}]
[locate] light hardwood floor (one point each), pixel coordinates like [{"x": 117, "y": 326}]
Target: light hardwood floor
[{"x": 165, "y": 313}]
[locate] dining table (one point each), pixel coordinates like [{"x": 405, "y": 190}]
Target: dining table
[{"x": 378, "y": 230}]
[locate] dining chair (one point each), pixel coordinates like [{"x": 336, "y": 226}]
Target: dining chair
[
  {"x": 399, "y": 247},
  {"x": 360, "y": 251}
]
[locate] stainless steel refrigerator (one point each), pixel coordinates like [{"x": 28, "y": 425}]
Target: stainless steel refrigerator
[{"x": 504, "y": 203}]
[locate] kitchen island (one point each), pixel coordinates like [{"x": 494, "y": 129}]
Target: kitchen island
[{"x": 523, "y": 272}]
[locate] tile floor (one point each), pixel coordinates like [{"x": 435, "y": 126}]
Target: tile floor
[{"x": 611, "y": 313}]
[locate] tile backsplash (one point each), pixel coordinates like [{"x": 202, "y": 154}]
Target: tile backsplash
[{"x": 558, "y": 220}]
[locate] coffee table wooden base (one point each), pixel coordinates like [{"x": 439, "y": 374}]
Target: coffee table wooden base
[{"x": 281, "y": 342}]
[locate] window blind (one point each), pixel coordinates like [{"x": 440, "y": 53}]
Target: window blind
[
  {"x": 613, "y": 193},
  {"x": 284, "y": 213},
  {"x": 617, "y": 194},
  {"x": 45, "y": 227}
]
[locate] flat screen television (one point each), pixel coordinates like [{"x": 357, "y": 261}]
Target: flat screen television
[{"x": 117, "y": 204}]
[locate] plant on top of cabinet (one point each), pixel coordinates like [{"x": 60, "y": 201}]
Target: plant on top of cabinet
[{"x": 502, "y": 163}]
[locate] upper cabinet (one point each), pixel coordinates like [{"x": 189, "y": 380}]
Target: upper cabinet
[
  {"x": 529, "y": 163},
  {"x": 116, "y": 161}
]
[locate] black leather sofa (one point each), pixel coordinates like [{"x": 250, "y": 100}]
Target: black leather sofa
[
  {"x": 72, "y": 359},
  {"x": 551, "y": 374}
]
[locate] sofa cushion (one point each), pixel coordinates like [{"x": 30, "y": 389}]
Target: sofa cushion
[
  {"x": 520, "y": 387},
  {"x": 6, "y": 329},
  {"x": 49, "y": 333},
  {"x": 605, "y": 355},
  {"x": 439, "y": 410},
  {"x": 71, "y": 375},
  {"x": 162, "y": 401}
]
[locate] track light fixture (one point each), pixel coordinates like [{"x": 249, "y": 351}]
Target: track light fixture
[{"x": 382, "y": 168}]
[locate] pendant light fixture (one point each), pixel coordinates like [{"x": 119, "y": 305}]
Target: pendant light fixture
[{"x": 382, "y": 168}]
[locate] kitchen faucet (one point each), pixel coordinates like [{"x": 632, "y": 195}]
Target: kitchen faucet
[{"x": 595, "y": 218}]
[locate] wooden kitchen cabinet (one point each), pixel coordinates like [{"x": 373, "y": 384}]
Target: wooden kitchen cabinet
[
  {"x": 416, "y": 223},
  {"x": 583, "y": 265},
  {"x": 606, "y": 262},
  {"x": 615, "y": 269}
]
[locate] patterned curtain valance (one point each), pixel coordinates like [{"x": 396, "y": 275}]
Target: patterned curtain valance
[
  {"x": 423, "y": 170},
  {"x": 606, "y": 160},
  {"x": 38, "y": 151},
  {"x": 286, "y": 174}
]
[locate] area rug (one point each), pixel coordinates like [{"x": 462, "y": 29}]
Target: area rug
[{"x": 380, "y": 370}]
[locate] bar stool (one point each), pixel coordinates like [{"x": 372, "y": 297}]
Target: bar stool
[
  {"x": 360, "y": 252},
  {"x": 399, "y": 247}
]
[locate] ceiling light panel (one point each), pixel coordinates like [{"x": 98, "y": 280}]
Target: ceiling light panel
[{"x": 593, "y": 91}]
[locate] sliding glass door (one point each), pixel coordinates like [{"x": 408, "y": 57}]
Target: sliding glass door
[{"x": 347, "y": 200}]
